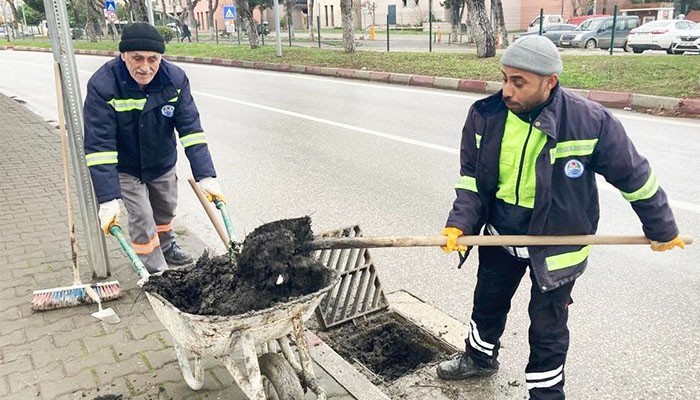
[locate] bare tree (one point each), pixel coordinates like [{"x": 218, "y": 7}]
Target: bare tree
[
  {"x": 481, "y": 29},
  {"x": 289, "y": 8},
  {"x": 212, "y": 5},
  {"x": 346, "y": 9},
  {"x": 245, "y": 18},
  {"x": 498, "y": 21}
]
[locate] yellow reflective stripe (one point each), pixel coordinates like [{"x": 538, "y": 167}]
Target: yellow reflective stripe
[
  {"x": 478, "y": 140},
  {"x": 174, "y": 99},
  {"x": 649, "y": 189},
  {"x": 567, "y": 260},
  {"x": 467, "y": 183},
  {"x": 573, "y": 148},
  {"x": 192, "y": 139},
  {"x": 102, "y": 157},
  {"x": 127, "y": 104}
]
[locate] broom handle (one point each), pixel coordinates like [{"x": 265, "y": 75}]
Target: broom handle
[
  {"x": 321, "y": 243},
  {"x": 136, "y": 263},
  {"x": 210, "y": 212},
  {"x": 66, "y": 173}
]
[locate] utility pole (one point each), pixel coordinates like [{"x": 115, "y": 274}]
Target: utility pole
[
  {"x": 149, "y": 7},
  {"x": 4, "y": 18},
  {"x": 278, "y": 32}
]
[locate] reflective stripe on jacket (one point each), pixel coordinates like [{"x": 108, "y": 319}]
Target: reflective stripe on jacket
[
  {"x": 583, "y": 139},
  {"x": 132, "y": 130}
]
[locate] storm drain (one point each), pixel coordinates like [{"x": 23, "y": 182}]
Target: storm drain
[
  {"x": 385, "y": 346},
  {"x": 358, "y": 292}
]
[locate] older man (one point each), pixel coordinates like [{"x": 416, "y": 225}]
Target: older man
[
  {"x": 133, "y": 106},
  {"x": 529, "y": 156}
]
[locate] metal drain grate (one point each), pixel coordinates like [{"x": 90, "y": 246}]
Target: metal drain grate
[{"x": 358, "y": 292}]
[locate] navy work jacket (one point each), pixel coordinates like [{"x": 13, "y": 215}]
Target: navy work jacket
[
  {"x": 583, "y": 138},
  {"x": 132, "y": 130}
]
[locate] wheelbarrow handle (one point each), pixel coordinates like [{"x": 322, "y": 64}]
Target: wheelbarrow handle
[
  {"x": 322, "y": 243},
  {"x": 136, "y": 263}
]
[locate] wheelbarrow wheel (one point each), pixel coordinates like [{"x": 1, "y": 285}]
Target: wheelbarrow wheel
[{"x": 280, "y": 382}]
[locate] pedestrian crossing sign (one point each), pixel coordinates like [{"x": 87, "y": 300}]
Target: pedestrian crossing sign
[
  {"x": 229, "y": 12},
  {"x": 110, "y": 6}
]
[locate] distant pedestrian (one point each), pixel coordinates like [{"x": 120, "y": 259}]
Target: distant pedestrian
[
  {"x": 529, "y": 157},
  {"x": 134, "y": 104},
  {"x": 186, "y": 33}
]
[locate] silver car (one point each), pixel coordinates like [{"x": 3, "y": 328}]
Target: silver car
[
  {"x": 687, "y": 42},
  {"x": 552, "y": 32}
]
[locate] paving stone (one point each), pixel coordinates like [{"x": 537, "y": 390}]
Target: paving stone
[
  {"x": 108, "y": 373},
  {"x": 4, "y": 387},
  {"x": 103, "y": 356},
  {"x": 27, "y": 392},
  {"x": 14, "y": 338},
  {"x": 20, "y": 364},
  {"x": 56, "y": 328},
  {"x": 93, "y": 330},
  {"x": 70, "y": 384},
  {"x": 158, "y": 358},
  {"x": 49, "y": 372},
  {"x": 43, "y": 357},
  {"x": 94, "y": 343},
  {"x": 142, "y": 329},
  {"x": 126, "y": 350}
]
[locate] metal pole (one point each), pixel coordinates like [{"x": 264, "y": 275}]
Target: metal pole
[
  {"x": 430, "y": 25},
  {"x": 216, "y": 30},
  {"x": 289, "y": 30},
  {"x": 318, "y": 28},
  {"x": 541, "y": 20},
  {"x": 149, "y": 7},
  {"x": 278, "y": 31},
  {"x": 62, "y": 46},
  {"x": 238, "y": 29},
  {"x": 612, "y": 35},
  {"x": 387, "y": 32}
]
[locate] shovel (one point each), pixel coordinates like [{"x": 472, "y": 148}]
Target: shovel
[
  {"x": 103, "y": 314},
  {"x": 325, "y": 243}
]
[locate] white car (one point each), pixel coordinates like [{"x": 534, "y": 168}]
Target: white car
[
  {"x": 658, "y": 35},
  {"x": 689, "y": 41}
]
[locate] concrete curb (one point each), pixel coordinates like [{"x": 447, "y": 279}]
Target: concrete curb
[{"x": 610, "y": 99}]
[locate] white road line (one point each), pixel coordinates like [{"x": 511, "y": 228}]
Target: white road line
[{"x": 334, "y": 123}]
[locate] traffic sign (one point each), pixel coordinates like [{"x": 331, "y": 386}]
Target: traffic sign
[
  {"x": 110, "y": 6},
  {"x": 111, "y": 16},
  {"x": 229, "y": 12}
]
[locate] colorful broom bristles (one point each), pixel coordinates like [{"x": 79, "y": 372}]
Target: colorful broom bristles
[{"x": 69, "y": 296}]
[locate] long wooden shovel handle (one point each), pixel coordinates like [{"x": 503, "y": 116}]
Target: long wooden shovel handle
[
  {"x": 210, "y": 211},
  {"x": 322, "y": 243}
]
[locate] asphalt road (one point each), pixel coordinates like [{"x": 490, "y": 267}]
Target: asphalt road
[{"x": 385, "y": 157}]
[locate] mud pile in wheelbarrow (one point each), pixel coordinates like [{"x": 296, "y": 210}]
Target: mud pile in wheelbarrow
[{"x": 274, "y": 265}]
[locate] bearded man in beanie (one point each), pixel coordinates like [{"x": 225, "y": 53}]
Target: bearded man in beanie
[
  {"x": 133, "y": 107},
  {"x": 529, "y": 156}
]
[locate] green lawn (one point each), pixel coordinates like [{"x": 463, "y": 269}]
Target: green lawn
[{"x": 662, "y": 74}]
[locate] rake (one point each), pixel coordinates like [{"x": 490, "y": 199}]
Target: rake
[{"x": 78, "y": 293}]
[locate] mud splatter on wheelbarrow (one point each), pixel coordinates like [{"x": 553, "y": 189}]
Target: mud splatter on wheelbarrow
[{"x": 274, "y": 265}]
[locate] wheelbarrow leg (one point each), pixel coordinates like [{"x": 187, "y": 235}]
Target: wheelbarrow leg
[
  {"x": 194, "y": 380},
  {"x": 307, "y": 368},
  {"x": 244, "y": 367}
]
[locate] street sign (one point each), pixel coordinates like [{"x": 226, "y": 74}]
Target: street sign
[
  {"x": 111, "y": 16},
  {"x": 229, "y": 12},
  {"x": 230, "y": 27},
  {"x": 110, "y": 6}
]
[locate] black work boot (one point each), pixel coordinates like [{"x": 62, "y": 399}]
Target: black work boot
[
  {"x": 463, "y": 368},
  {"x": 174, "y": 255}
]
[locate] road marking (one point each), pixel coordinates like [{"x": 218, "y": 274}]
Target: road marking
[{"x": 389, "y": 136}]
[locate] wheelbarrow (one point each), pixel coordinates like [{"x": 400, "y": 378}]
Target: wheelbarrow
[{"x": 235, "y": 340}]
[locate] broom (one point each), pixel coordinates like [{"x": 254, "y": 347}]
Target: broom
[{"x": 78, "y": 293}]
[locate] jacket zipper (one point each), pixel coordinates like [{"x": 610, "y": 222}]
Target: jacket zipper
[{"x": 521, "y": 164}]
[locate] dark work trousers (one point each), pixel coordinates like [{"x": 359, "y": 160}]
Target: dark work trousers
[
  {"x": 151, "y": 209},
  {"x": 499, "y": 276}
]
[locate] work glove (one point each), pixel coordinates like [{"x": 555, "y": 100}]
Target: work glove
[
  {"x": 109, "y": 215},
  {"x": 663, "y": 246},
  {"x": 452, "y": 235},
  {"x": 211, "y": 188}
]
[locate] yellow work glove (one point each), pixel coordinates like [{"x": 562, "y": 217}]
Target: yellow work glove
[
  {"x": 452, "y": 235},
  {"x": 663, "y": 246}
]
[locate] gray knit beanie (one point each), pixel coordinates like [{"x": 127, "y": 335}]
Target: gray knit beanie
[{"x": 533, "y": 53}]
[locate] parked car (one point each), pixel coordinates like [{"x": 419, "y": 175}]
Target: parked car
[
  {"x": 552, "y": 32},
  {"x": 597, "y": 32},
  {"x": 579, "y": 19},
  {"x": 688, "y": 41},
  {"x": 534, "y": 25},
  {"x": 658, "y": 35}
]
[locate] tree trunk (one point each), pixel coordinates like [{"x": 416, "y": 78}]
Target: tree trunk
[
  {"x": 455, "y": 19},
  {"x": 92, "y": 16},
  {"x": 346, "y": 9},
  {"x": 289, "y": 8},
  {"x": 311, "y": 20},
  {"x": 212, "y": 5},
  {"x": 499, "y": 22},
  {"x": 482, "y": 31},
  {"x": 247, "y": 24}
]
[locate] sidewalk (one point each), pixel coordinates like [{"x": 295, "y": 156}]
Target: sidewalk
[{"x": 65, "y": 353}]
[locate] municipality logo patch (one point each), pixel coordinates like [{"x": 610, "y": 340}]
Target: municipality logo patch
[
  {"x": 573, "y": 169},
  {"x": 167, "y": 110}
]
